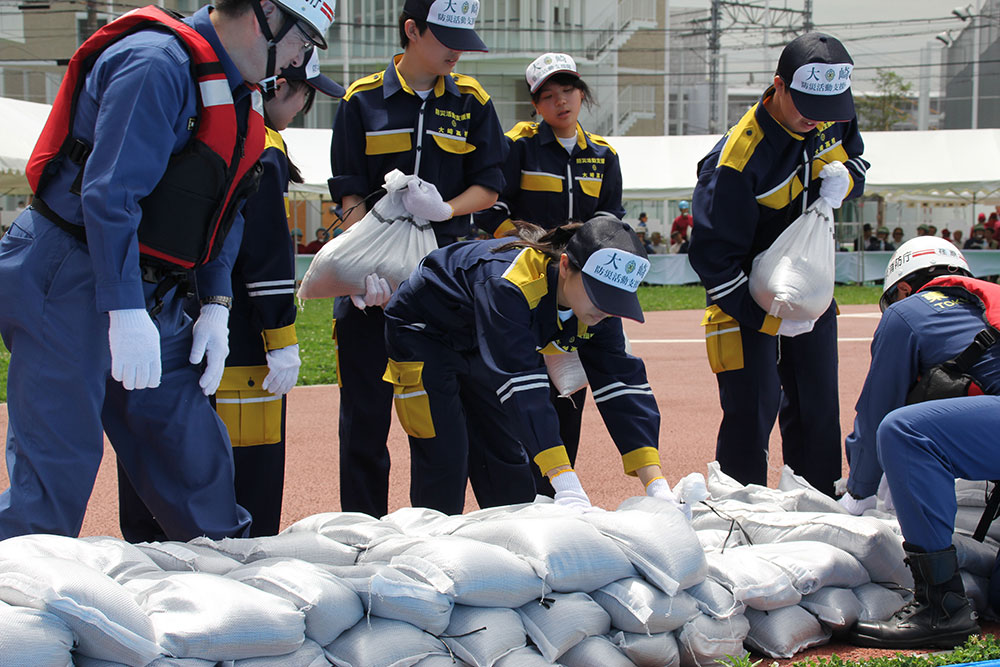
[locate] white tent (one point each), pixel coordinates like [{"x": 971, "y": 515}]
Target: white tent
[{"x": 933, "y": 166}]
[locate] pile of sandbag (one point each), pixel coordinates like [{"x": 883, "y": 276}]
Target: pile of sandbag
[{"x": 770, "y": 570}]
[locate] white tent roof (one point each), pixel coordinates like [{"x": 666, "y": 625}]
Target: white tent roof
[{"x": 940, "y": 165}]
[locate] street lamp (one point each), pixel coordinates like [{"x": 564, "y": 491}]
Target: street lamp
[
  {"x": 970, "y": 13},
  {"x": 946, "y": 37}
]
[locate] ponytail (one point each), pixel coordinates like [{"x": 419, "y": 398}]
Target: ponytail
[{"x": 551, "y": 242}]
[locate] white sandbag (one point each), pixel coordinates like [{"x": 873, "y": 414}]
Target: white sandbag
[
  {"x": 781, "y": 633},
  {"x": 561, "y": 621},
  {"x": 814, "y": 565},
  {"x": 658, "y": 539},
  {"x": 480, "y": 635},
  {"x": 330, "y": 605},
  {"x": 869, "y": 540},
  {"x": 838, "y": 608},
  {"x": 973, "y": 555},
  {"x": 310, "y": 547},
  {"x": 471, "y": 572},
  {"x": 716, "y": 600},
  {"x": 439, "y": 661},
  {"x": 635, "y": 605},
  {"x": 423, "y": 521},
  {"x": 380, "y": 642},
  {"x": 793, "y": 277},
  {"x": 752, "y": 580},
  {"x": 970, "y": 493},
  {"x": 570, "y": 554},
  {"x": 165, "y": 661},
  {"x": 104, "y": 617},
  {"x": 388, "y": 593},
  {"x": 207, "y": 616},
  {"x": 565, "y": 372},
  {"x": 310, "y": 654},
  {"x": 388, "y": 241},
  {"x": 877, "y": 602},
  {"x": 34, "y": 638},
  {"x": 524, "y": 657},
  {"x": 808, "y": 497},
  {"x": 644, "y": 650},
  {"x": 704, "y": 640},
  {"x": 188, "y": 557},
  {"x": 351, "y": 528},
  {"x": 595, "y": 652},
  {"x": 116, "y": 558},
  {"x": 717, "y": 539},
  {"x": 977, "y": 589}
]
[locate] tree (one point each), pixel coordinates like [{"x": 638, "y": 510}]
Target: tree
[{"x": 887, "y": 105}]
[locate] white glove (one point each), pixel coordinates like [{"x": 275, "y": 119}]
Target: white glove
[
  {"x": 659, "y": 488},
  {"x": 836, "y": 183},
  {"x": 135, "y": 348},
  {"x": 211, "y": 341},
  {"x": 792, "y": 328},
  {"x": 569, "y": 492},
  {"x": 423, "y": 200},
  {"x": 282, "y": 370},
  {"x": 857, "y": 507},
  {"x": 377, "y": 292}
]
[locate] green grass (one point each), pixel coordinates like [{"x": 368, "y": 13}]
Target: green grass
[
  {"x": 975, "y": 649},
  {"x": 314, "y": 321}
]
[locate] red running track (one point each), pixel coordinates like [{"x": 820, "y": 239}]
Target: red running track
[{"x": 672, "y": 345}]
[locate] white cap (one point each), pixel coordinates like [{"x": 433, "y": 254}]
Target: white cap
[{"x": 547, "y": 64}]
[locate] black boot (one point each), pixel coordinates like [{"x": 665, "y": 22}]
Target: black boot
[{"x": 939, "y": 616}]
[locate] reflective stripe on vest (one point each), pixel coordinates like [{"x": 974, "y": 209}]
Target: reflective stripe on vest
[{"x": 216, "y": 129}]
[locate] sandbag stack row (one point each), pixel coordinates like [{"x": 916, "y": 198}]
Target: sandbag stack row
[{"x": 773, "y": 570}]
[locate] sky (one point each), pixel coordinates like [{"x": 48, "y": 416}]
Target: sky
[{"x": 877, "y": 33}]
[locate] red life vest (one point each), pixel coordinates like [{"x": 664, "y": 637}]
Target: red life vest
[{"x": 191, "y": 209}]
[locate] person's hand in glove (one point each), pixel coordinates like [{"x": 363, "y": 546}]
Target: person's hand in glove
[
  {"x": 569, "y": 492},
  {"x": 423, "y": 200},
  {"x": 857, "y": 506},
  {"x": 377, "y": 293},
  {"x": 211, "y": 342},
  {"x": 836, "y": 183},
  {"x": 135, "y": 348},
  {"x": 282, "y": 370},
  {"x": 792, "y": 328},
  {"x": 659, "y": 488}
]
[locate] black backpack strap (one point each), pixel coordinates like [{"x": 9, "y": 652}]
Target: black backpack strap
[
  {"x": 989, "y": 514},
  {"x": 984, "y": 340}
]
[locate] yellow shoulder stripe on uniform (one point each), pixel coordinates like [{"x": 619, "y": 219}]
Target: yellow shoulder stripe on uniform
[
  {"x": 742, "y": 141},
  {"x": 523, "y": 130},
  {"x": 601, "y": 141},
  {"x": 527, "y": 271},
  {"x": 364, "y": 83},
  {"x": 468, "y": 84},
  {"x": 274, "y": 140}
]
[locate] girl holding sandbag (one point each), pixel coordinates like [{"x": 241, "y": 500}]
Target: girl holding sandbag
[
  {"x": 463, "y": 335},
  {"x": 557, "y": 171}
]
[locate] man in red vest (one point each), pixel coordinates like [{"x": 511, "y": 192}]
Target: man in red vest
[
  {"x": 923, "y": 433},
  {"x": 149, "y": 150}
]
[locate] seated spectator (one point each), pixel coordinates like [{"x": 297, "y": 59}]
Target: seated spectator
[
  {"x": 897, "y": 236},
  {"x": 678, "y": 245},
  {"x": 956, "y": 238},
  {"x": 300, "y": 248},
  {"x": 978, "y": 239},
  {"x": 866, "y": 238},
  {"x": 659, "y": 247},
  {"x": 921, "y": 229},
  {"x": 931, "y": 230},
  {"x": 882, "y": 240},
  {"x": 641, "y": 233},
  {"x": 322, "y": 236}
]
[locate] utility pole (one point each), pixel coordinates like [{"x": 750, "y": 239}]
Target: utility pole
[
  {"x": 714, "y": 41},
  {"x": 91, "y": 24}
]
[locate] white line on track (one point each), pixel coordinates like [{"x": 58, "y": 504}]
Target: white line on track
[{"x": 702, "y": 340}]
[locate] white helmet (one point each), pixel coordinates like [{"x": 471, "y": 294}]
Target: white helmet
[
  {"x": 922, "y": 252},
  {"x": 314, "y": 16}
]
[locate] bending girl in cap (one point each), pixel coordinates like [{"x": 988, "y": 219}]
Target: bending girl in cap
[
  {"x": 557, "y": 171},
  {"x": 463, "y": 335}
]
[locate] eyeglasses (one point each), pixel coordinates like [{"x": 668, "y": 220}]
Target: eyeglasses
[{"x": 306, "y": 34}]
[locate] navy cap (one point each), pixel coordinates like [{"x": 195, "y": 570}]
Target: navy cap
[
  {"x": 309, "y": 72},
  {"x": 613, "y": 262},
  {"x": 817, "y": 68},
  {"x": 453, "y": 22}
]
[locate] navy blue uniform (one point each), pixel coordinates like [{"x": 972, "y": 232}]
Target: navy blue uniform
[
  {"x": 923, "y": 447},
  {"x": 452, "y": 139},
  {"x": 549, "y": 186},
  {"x": 756, "y": 181},
  {"x": 262, "y": 319},
  {"x": 463, "y": 335},
  {"x": 55, "y": 292}
]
